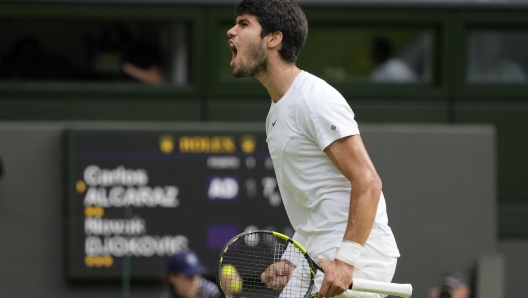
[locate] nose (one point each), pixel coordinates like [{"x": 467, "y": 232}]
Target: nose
[{"x": 231, "y": 32}]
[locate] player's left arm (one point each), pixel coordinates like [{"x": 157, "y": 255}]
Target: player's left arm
[{"x": 351, "y": 158}]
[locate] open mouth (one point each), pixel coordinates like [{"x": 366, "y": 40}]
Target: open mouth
[{"x": 234, "y": 51}]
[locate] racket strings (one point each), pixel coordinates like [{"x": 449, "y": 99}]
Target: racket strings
[{"x": 246, "y": 262}]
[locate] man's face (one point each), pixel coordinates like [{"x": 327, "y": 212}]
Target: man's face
[
  {"x": 249, "y": 56},
  {"x": 185, "y": 286}
]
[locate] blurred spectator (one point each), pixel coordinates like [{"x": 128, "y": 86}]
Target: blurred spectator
[
  {"x": 103, "y": 54},
  {"x": 184, "y": 278},
  {"x": 121, "y": 51},
  {"x": 141, "y": 59},
  {"x": 389, "y": 69},
  {"x": 26, "y": 60},
  {"x": 487, "y": 63},
  {"x": 454, "y": 284}
]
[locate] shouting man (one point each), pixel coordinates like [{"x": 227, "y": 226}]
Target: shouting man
[{"x": 330, "y": 188}]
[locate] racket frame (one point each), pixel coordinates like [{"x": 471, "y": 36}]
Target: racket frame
[
  {"x": 401, "y": 290},
  {"x": 313, "y": 265}
]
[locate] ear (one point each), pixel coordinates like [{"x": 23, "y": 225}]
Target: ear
[{"x": 274, "y": 39}]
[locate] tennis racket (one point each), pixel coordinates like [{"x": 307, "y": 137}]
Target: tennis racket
[{"x": 244, "y": 263}]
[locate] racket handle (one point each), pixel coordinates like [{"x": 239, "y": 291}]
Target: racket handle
[
  {"x": 378, "y": 287},
  {"x": 386, "y": 288}
]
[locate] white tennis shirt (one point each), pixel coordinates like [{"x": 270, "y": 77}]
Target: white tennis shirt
[{"x": 308, "y": 118}]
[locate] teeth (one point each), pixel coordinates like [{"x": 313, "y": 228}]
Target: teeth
[{"x": 232, "y": 45}]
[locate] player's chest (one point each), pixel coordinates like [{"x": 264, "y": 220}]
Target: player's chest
[{"x": 280, "y": 132}]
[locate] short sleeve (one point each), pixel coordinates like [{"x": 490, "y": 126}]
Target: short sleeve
[{"x": 325, "y": 117}]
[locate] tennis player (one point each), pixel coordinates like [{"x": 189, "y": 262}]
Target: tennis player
[{"x": 330, "y": 188}]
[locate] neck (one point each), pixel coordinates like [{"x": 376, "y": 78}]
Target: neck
[{"x": 278, "y": 79}]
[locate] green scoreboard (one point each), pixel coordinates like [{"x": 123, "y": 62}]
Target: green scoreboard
[{"x": 137, "y": 196}]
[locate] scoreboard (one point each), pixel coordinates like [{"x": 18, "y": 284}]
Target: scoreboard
[{"x": 137, "y": 196}]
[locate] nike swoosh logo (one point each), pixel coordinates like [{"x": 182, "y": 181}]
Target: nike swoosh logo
[{"x": 273, "y": 123}]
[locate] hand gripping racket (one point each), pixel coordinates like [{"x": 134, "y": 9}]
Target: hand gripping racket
[{"x": 244, "y": 266}]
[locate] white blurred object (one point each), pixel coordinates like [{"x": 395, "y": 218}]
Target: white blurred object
[{"x": 394, "y": 71}]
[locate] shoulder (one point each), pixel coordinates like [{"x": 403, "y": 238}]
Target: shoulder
[
  {"x": 308, "y": 84},
  {"x": 209, "y": 288},
  {"x": 317, "y": 93},
  {"x": 320, "y": 108}
]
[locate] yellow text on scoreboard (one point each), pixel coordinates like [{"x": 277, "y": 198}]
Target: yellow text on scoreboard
[{"x": 207, "y": 144}]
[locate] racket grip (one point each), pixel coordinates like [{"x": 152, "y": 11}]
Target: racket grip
[{"x": 386, "y": 288}]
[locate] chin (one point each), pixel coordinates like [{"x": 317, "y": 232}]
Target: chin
[{"x": 237, "y": 75}]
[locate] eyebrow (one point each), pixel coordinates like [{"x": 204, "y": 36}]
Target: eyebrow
[{"x": 239, "y": 21}]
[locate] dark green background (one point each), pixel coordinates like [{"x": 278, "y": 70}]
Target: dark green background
[{"x": 447, "y": 100}]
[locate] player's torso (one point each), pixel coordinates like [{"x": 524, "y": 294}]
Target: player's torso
[
  {"x": 280, "y": 127},
  {"x": 304, "y": 173},
  {"x": 315, "y": 194}
]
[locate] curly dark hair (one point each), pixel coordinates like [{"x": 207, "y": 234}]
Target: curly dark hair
[{"x": 279, "y": 15}]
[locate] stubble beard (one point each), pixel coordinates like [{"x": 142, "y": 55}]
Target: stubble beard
[{"x": 258, "y": 62}]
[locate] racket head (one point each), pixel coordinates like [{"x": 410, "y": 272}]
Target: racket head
[{"x": 246, "y": 257}]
